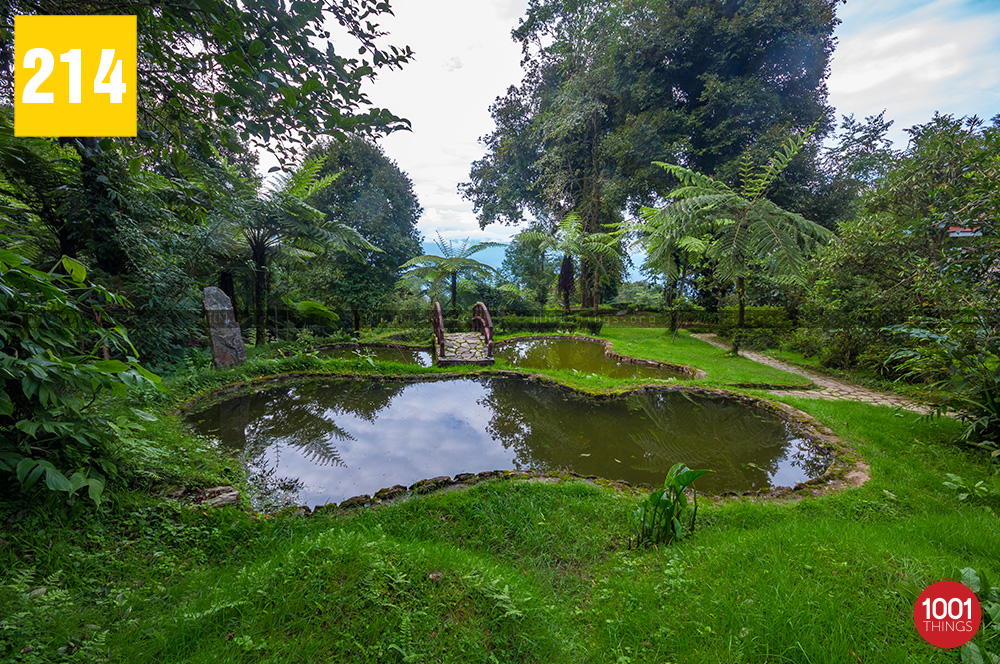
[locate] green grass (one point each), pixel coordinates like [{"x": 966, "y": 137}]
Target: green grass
[
  {"x": 721, "y": 368},
  {"x": 507, "y": 571}
]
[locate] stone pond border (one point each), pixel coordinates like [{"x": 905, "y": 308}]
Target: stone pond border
[{"x": 845, "y": 470}]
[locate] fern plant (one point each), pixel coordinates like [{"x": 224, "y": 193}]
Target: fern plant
[{"x": 739, "y": 230}]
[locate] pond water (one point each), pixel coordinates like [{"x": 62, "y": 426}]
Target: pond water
[
  {"x": 405, "y": 355},
  {"x": 584, "y": 356},
  {"x": 321, "y": 443}
]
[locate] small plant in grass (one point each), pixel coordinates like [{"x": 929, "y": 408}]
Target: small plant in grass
[
  {"x": 981, "y": 489},
  {"x": 661, "y": 515},
  {"x": 986, "y": 648}
]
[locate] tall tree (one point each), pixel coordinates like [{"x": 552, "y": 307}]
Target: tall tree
[
  {"x": 610, "y": 87},
  {"x": 527, "y": 264},
  {"x": 374, "y": 197}
]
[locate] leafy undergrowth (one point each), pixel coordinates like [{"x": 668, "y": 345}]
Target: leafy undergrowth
[{"x": 508, "y": 571}]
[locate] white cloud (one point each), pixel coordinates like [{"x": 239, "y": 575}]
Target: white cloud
[{"x": 913, "y": 60}]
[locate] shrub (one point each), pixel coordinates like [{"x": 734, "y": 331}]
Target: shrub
[
  {"x": 47, "y": 383},
  {"x": 967, "y": 355},
  {"x": 509, "y": 324},
  {"x": 842, "y": 349},
  {"x": 592, "y": 325},
  {"x": 808, "y": 341}
]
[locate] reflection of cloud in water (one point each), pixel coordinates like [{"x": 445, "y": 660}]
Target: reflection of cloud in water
[{"x": 376, "y": 435}]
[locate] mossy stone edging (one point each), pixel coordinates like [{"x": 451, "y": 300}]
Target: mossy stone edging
[
  {"x": 691, "y": 372},
  {"x": 846, "y": 468}
]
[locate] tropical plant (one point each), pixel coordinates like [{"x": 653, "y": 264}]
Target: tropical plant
[
  {"x": 740, "y": 231},
  {"x": 601, "y": 250},
  {"x": 58, "y": 350},
  {"x": 965, "y": 360},
  {"x": 661, "y": 514},
  {"x": 258, "y": 224},
  {"x": 454, "y": 262}
]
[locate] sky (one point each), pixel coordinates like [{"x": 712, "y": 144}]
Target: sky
[{"x": 909, "y": 57}]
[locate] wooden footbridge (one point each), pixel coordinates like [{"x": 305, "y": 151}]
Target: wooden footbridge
[{"x": 474, "y": 347}]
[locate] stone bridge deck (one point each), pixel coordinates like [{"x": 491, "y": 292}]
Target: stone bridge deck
[{"x": 464, "y": 348}]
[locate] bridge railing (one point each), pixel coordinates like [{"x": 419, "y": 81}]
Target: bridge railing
[
  {"x": 438, "y": 322},
  {"x": 481, "y": 322}
]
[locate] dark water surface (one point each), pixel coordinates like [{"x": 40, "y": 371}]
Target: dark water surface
[
  {"x": 405, "y": 355},
  {"x": 343, "y": 438},
  {"x": 585, "y": 356}
]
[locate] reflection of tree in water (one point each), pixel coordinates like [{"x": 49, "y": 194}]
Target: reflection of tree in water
[
  {"x": 302, "y": 418},
  {"x": 732, "y": 439},
  {"x": 265, "y": 491},
  {"x": 529, "y": 419}
]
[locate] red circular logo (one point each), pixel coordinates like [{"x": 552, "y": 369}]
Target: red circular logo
[{"x": 947, "y": 614}]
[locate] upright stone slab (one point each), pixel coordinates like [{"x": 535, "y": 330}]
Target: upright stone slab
[{"x": 223, "y": 330}]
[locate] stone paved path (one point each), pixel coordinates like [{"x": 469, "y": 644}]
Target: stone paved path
[
  {"x": 827, "y": 387},
  {"x": 464, "y": 348}
]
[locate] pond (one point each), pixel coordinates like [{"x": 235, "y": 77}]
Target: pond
[
  {"x": 325, "y": 442},
  {"x": 418, "y": 356},
  {"x": 587, "y": 357}
]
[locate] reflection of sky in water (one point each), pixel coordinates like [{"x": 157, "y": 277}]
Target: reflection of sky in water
[{"x": 348, "y": 438}]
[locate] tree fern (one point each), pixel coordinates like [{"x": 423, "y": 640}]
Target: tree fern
[{"x": 739, "y": 231}]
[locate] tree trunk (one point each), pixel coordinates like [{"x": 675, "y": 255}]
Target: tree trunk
[
  {"x": 260, "y": 294},
  {"x": 565, "y": 284},
  {"x": 356, "y": 316},
  {"x": 454, "y": 293},
  {"x": 741, "y": 299},
  {"x": 597, "y": 293}
]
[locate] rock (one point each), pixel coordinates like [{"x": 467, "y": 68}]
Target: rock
[
  {"x": 390, "y": 492},
  {"x": 466, "y": 478},
  {"x": 356, "y": 501},
  {"x": 426, "y": 486},
  {"x": 228, "y": 497},
  {"x": 223, "y": 330}
]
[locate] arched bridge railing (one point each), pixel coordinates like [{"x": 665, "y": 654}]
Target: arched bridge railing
[
  {"x": 481, "y": 322},
  {"x": 439, "y": 328}
]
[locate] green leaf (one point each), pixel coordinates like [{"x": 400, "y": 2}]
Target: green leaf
[
  {"x": 95, "y": 487},
  {"x": 970, "y": 579},
  {"x": 143, "y": 415},
  {"x": 56, "y": 481},
  {"x": 110, "y": 366},
  {"x": 74, "y": 269},
  {"x": 6, "y": 405}
]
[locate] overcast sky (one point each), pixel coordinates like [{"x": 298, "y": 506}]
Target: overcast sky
[{"x": 910, "y": 57}]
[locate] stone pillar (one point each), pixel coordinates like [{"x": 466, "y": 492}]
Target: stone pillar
[{"x": 223, "y": 330}]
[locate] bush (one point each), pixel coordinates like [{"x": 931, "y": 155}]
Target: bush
[
  {"x": 591, "y": 325},
  {"x": 842, "y": 349},
  {"x": 47, "y": 384},
  {"x": 511, "y": 324},
  {"x": 760, "y": 339},
  {"x": 967, "y": 354},
  {"x": 808, "y": 341}
]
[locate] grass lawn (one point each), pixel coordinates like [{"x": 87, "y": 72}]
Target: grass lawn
[
  {"x": 721, "y": 369},
  {"x": 506, "y": 571}
]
